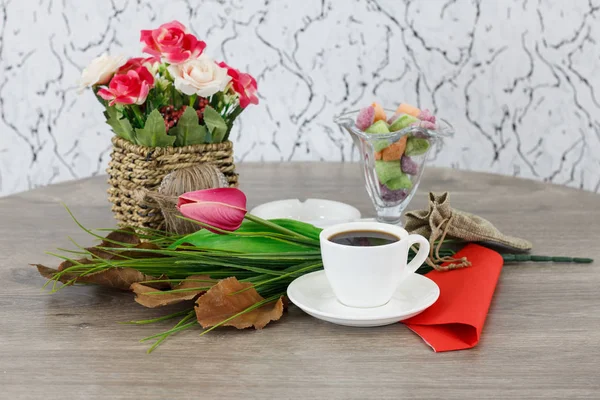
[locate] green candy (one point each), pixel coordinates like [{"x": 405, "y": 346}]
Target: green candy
[
  {"x": 416, "y": 146},
  {"x": 402, "y": 122},
  {"x": 402, "y": 182},
  {"x": 379, "y": 127},
  {"x": 390, "y": 174},
  {"x": 379, "y": 145}
]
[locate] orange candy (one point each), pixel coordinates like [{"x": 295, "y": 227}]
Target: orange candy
[
  {"x": 395, "y": 151},
  {"x": 379, "y": 112},
  {"x": 404, "y": 108}
]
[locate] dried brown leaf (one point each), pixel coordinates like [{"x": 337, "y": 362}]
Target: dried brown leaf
[
  {"x": 118, "y": 278},
  {"x": 66, "y": 264},
  {"x": 167, "y": 298},
  {"x": 46, "y": 272},
  {"x": 126, "y": 236},
  {"x": 219, "y": 303}
]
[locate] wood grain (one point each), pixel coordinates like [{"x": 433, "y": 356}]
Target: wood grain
[{"x": 541, "y": 339}]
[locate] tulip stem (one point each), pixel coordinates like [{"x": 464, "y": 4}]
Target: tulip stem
[{"x": 277, "y": 228}]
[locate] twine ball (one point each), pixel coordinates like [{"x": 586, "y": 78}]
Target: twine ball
[{"x": 178, "y": 182}]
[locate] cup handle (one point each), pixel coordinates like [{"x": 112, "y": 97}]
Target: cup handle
[{"x": 421, "y": 255}]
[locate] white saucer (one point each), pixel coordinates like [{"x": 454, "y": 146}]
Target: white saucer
[
  {"x": 318, "y": 212},
  {"x": 312, "y": 294}
]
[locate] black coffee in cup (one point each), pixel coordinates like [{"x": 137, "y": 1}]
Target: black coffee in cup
[{"x": 363, "y": 238}]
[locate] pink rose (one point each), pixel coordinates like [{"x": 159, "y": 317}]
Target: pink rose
[
  {"x": 134, "y": 63},
  {"x": 129, "y": 88},
  {"x": 243, "y": 84},
  {"x": 172, "y": 42}
]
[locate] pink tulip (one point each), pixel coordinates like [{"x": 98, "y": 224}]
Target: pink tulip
[{"x": 222, "y": 208}]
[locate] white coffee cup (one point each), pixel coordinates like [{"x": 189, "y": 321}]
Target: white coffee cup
[{"x": 368, "y": 276}]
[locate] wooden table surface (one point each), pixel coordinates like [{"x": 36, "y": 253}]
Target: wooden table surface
[{"x": 541, "y": 339}]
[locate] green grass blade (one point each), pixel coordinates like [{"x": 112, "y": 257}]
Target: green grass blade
[{"x": 159, "y": 319}]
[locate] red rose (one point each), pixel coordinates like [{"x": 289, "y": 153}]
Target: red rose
[
  {"x": 134, "y": 63},
  {"x": 173, "y": 42},
  {"x": 243, "y": 84},
  {"x": 128, "y": 88}
]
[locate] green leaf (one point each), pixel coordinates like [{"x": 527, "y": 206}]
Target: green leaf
[
  {"x": 120, "y": 126},
  {"x": 188, "y": 130},
  {"x": 154, "y": 100},
  {"x": 252, "y": 244},
  {"x": 302, "y": 228},
  {"x": 154, "y": 133},
  {"x": 205, "y": 240},
  {"x": 215, "y": 123},
  {"x": 209, "y": 137}
]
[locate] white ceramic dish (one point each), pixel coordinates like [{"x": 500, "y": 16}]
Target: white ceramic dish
[
  {"x": 318, "y": 212},
  {"x": 312, "y": 294}
]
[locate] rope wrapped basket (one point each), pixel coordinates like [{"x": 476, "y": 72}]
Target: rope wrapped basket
[{"x": 135, "y": 170}]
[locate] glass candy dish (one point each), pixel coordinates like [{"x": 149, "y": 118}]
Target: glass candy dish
[{"x": 393, "y": 162}]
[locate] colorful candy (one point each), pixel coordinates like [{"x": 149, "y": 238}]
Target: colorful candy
[
  {"x": 409, "y": 166},
  {"x": 402, "y": 122},
  {"x": 426, "y": 115},
  {"x": 408, "y": 109},
  {"x": 387, "y": 171},
  {"x": 416, "y": 146},
  {"x": 394, "y": 166},
  {"x": 390, "y": 174},
  {"x": 379, "y": 112},
  {"x": 400, "y": 183},
  {"x": 377, "y": 128},
  {"x": 425, "y": 125},
  {"x": 395, "y": 150},
  {"x": 365, "y": 118},
  {"x": 392, "y": 196}
]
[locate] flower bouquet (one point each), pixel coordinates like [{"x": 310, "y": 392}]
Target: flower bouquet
[{"x": 172, "y": 109}]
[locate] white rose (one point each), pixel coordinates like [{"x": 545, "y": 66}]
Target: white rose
[
  {"x": 100, "y": 70},
  {"x": 201, "y": 76}
]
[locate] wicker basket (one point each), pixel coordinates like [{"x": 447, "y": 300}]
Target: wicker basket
[{"x": 134, "y": 167}]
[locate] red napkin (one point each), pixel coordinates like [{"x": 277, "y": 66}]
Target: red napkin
[{"x": 456, "y": 319}]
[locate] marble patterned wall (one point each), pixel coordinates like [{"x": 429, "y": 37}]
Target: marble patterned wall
[{"x": 520, "y": 80}]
